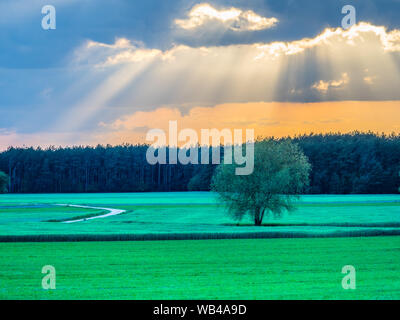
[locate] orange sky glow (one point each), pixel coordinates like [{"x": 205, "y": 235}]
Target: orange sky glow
[{"x": 267, "y": 119}]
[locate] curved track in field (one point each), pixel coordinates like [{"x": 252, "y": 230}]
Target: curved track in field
[{"x": 111, "y": 212}]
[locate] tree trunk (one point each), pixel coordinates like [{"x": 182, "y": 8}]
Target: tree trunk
[
  {"x": 257, "y": 217},
  {"x": 262, "y": 215}
]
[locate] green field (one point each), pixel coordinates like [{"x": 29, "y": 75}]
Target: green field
[
  {"x": 194, "y": 213},
  {"x": 207, "y": 269}
]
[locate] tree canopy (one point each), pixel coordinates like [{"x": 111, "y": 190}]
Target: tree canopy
[{"x": 281, "y": 172}]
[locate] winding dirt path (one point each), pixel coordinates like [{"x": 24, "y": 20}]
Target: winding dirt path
[{"x": 112, "y": 212}]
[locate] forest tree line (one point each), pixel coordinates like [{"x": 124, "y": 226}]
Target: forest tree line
[{"x": 341, "y": 164}]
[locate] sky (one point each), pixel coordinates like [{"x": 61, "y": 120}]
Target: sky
[{"x": 113, "y": 70}]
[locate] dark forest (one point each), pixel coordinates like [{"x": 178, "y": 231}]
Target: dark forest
[{"x": 356, "y": 163}]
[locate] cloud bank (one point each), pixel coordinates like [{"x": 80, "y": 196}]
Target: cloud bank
[{"x": 234, "y": 19}]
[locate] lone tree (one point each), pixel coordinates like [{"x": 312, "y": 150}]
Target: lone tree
[
  {"x": 281, "y": 172},
  {"x": 3, "y": 182}
]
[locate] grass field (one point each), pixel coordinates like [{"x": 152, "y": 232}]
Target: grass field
[
  {"x": 208, "y": 269},
  {"x": 193, "y": 213}
]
